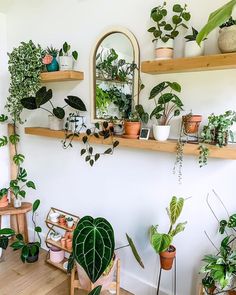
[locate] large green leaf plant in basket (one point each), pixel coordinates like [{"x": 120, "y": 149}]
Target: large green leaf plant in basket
[{"x": 94, "y": 248}]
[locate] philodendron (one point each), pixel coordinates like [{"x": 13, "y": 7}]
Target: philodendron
[
  {"x": 94, "y": 242},
  {"x": 66, "y": 60},
  {"x": 165, "y": 32},
  {"x": 162, "y": 242},
  {"x": 167, "y": 106}
]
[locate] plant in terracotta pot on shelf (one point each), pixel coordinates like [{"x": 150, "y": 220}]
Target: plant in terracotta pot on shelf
[
  {"x": 94, "y": 241},
  {"x": 66, "y": 60},
  {"x": 29, "y": 251},
  {"x": 50, "y": 59},
  {"x": 192, "y": 49},
  {"x": 165, "y": 32},
  {"x": 167, "y": 106},
  {"x": 162, "y": 242},
  {"x": 3, "y": 197}
]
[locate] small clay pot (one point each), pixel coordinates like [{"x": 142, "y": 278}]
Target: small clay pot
[
  {"x": 63, "y": 242},
  {"x": 167, "y": 258},
  {"x": 132, "y": 129},
  {"x": 4, "y": 202},
  {"x": 191, "y": 123},
  {"x": 62, "y": 220},
  {"x": 69, "y": 244}
]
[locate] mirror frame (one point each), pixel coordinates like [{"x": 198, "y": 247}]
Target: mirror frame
[{"x": 136, "y": 52}]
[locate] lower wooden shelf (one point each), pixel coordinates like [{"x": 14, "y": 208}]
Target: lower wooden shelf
[
  {"x": 169, "y": 146},
  {"x": 57, "y": 244},
  {"x": 58, "y": 265}
]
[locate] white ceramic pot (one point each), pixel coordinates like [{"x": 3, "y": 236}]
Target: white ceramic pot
[
  {"x": 66, "y": 63},
  {"x": 161, "y": 133},
  {"x": 17, "y": 202},
  {"x": 76, "y": 122},
  {"x": 227, "y": 39},
  {"x": 193, "y": 49},
  {"x": 70, "y": 223},
  {"x": 164, "y": 50},
  {"x": 55, "y": 123},
  {"x": 54, "y": 217},
  {"x": 56, "y": 255}
]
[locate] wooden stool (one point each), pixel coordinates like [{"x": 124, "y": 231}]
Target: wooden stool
[
  {"x": 18, "y": 218},
  {"x": 75, "y": 284}
]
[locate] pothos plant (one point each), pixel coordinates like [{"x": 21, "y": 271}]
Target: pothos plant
[
  {"x": 5, "y": 234},
  {"x": 216, "y": 132},
  {"x": 97, "y": 236},
  {"x": 165, "y": 30}
]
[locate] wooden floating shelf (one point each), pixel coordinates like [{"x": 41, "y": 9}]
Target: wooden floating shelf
[
  {"x": 228, "y": 152},
  {"x": 191, "y": 64},
  {"x": 61, "y": 76},
  {"x": 58, "y": 265},
  {"x": 57, "y": 244}
]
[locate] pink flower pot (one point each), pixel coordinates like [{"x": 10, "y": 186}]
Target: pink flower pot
[
  {"x": 56, "y": 255},
  {"x": 105, "y": 281}
]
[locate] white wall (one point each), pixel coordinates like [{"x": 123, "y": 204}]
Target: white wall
[{"x": 131, "y": 188}]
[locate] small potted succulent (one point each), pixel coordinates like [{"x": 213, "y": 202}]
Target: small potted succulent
[
  {"x": 165, "y": 32},
  {"x": 55, "y": 236},
  {"x": 29, "y": 251},
  {"x": 167, "y": 106},
  {"x": 50, "y": 59},
  {"x": 66, "y": 61},
  {"x": 5, "y": 234},
  {"x": 132, "y": 125},
  {"x": 192, "y": 49},
  {"x": 69, "y": 221},
  {"x": 162, "y": 243}
]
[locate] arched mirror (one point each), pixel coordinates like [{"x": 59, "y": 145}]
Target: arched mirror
[{"x": 115, "y": 75}]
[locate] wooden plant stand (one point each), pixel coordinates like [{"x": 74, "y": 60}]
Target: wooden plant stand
[
  {"x": 75, "y": 283},
  {"x": 18, "y": 218}
]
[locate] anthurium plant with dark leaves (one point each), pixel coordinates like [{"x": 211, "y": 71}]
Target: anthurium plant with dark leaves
[
  {"x": 167, "y": 104},
  {"x": 65, "y": 51},
  {"x": 29, "y": 250},
  {"x": 5, "y": 234},
  {"x": 94, "y": 248},
  {"x": 165, "y": 30},
  {"x": 193, "y": 36}
]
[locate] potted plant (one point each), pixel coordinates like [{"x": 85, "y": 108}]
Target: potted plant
[
  {"x": 55, "y": 236},
  {"x": 3, "y": 198},
  {"x": 168, "y": 106},
  {"x": 58, "y": 113},
  {"x": 191, "y": 123},
  {"x": 216, "y": 132},
  {"x": 69, "y": 221},
  {"x": 62, "y": 219},
  {"x": 97, "y": 236},
  {"x": 162, "y": 242},
  {"x": 132, "y": 125},
  {"x": 29, "y": 251},
  {"x": 216, "y": 19},
  {"x": 165, "y": 32},
  {"x": 50, "y": 59},
  {"x": 227, "y": 36},
  {"x": 192, "y": 49},
  {"x": 5, "y": 234},
  {"x": 66, "y": 61}
]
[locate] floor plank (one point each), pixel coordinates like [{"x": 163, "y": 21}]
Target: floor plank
[{"x": 38, "y": 278}]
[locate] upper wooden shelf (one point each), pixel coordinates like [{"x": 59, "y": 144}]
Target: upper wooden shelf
[
  {"x": 61, "y": 76},
  {"x": 228, "y": 152},
  {"x": 192, "y": 64}
]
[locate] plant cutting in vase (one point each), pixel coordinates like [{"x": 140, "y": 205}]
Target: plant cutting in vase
[
  {"x": 191, "y": 47},
  {"x": 216, "y": 132},
  {"x": 165, "y": 32},
  {"x": 5, "y": 234},
  {"x": 29, "y": 251},
  {"x": 50, "y": 59},
  {"x": 94, "y": 241},
  {"x": 66, "y": 60},
  {"x": 167, "y": 106},
  {"x": 216, "y": 19},
  {"x": 162, "y": 242}
]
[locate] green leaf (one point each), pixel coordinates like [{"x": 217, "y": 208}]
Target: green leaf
[
  {"x": 36, "y": 205},
  {"x": 76, "y": 103},
  {"x": 43, "y": 96},
  {"x": 152, "y": 29},
  {"x": 30, "y": 184},
  {"x": 85, "y": 139},
  {"x": 115, "y": 144},
  {"x": 177, "y": 8},
  {"x": 158, "y": 89},
  {"x": 165, "y": 98},
  {"x": 97, "y": 125},
  {"x": 71, "y": 263},
  {"x": 176, "y": 19},
  {"x": 25, "y": 252},
  {"x": 96, "y": 291},
  {"x": 168, "y": 27},
  {"x": 88, "y": 132},
  {"x": 216, "y": 19},
  {"x": 83, "y": 151},
  {"x": 175, "y": 86},
  {"x": 161, "y": 242},
  {"x": 232, "y": 221},
  {"x": 22, "y": 193},
  {"x": 4, "y": 242},
  {"x": 179, "y": 228},
  {"x": 97, "y": 156},
  {"x": 223, "y": 224},
  {"x": 157, "y": 111},
  {"x": 29, "y": 103},
  {"x": 3, "y": 118},
  {"x": 75, "y": 55},
  {"x": 22, "y": 175},
  {"x": 91, "y": 162},
  {"x": 38, "y": 229},
  {"x": 93, "y": 245},
  {"x": 176, "y": 206},
  {"x": 18, "y": 159},
  {"x": 134, "y": 251},
  {"x": 14, "y": 138},
  {"x": 7, "y": 231},
  {"x": 17, "y": 245},
  {"x": 33, "y": 250},
  {"x": 186, "y": 16},
  {"x": 87, "y": 158},
  {"x": 59, "y": 112},
  {"x": 3, "y": 141},
  {"x": 108, "y": 151},
  {"x": 20, "y": 237},
  {"x": 157, "y": 17}
]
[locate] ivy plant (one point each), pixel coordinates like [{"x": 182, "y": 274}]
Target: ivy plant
[{"x": 165, "y": 29}]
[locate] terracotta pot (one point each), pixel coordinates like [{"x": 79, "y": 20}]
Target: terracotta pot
[
  {"x": 232, "y": 292},
  {"x": 191, "y": 123},
  {"x": 4, "y": 201},
  {"x": 63, "y": 242},
  {"x": 132, "y": 129},
  {"x": 227, "y": 39},
  {"x": 167, "y": 258},
  {"x": 69, "y": 244},
  {"x": 62, "y": 220},
  {"x": 104, "y": 280}
]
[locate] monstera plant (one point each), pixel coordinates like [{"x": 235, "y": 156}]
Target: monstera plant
[{"x": 94, "y": 247}]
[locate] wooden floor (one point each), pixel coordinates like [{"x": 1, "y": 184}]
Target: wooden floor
[{"x": 38, "y": 278}]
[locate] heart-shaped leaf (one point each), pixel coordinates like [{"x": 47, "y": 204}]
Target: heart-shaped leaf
[
  {"x": 76, "y": 103},
  {"x": 29, "y": 103},
  {"x": 59, "y": 112},
  {"x": 93, "y": 245},
  {"x": 96, "y": 291}
]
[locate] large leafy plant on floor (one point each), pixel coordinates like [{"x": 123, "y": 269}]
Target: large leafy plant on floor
[{"x": 94, "y": 246}]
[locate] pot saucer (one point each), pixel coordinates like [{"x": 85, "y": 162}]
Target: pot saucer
[{"x": 130, "y": 136}]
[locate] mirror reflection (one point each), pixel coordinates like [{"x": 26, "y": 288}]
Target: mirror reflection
[{"x": 115, "y": 70}]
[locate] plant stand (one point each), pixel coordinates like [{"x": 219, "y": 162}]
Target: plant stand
[
  {"x": 75, "y": 283},
  {"x": 52, "y": 226},
  {"x": 159, "y": 279}
]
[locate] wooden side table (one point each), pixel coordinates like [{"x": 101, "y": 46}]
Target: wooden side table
[{"x": 18, "y": 218}]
